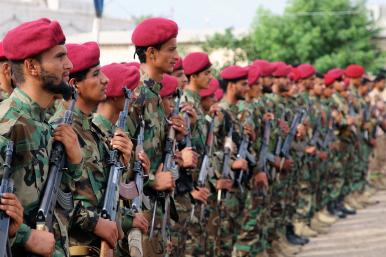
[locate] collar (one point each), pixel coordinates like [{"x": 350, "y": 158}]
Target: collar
[
  {"x": 104, "y": 124},
  {"x": 82, "y": 119},
  {"x": 28, "y": 106}
]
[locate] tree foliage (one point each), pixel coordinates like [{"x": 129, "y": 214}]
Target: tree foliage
[{"x": 328, "y": 33}]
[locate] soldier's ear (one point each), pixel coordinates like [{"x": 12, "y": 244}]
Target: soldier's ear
[
  {"x": 72, "y": 82},
  {"x": 32, "y": 67}
]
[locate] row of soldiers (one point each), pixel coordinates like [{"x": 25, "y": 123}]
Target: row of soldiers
[{"x": 252, "y": 164}]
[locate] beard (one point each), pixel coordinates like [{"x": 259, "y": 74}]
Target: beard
[
  {"x": 239, "y": 96},
  {"x": 51, "y": 84},
  {"x": 267, "y": 89},
  {"x": 283, "y": 88}
]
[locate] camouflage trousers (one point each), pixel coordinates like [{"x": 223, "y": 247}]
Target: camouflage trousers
[
  {"x": 250, "y": 240},
  {"x": 279, "y": 210},
  {"x": 202, "y": 229},
  {"x": 179, "y": 231},
  {"x": 228, "y": 223}
]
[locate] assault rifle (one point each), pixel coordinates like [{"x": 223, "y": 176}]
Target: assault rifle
[
  {"x": 110, "y": 204},
  {"x": 6, "y": 187}
]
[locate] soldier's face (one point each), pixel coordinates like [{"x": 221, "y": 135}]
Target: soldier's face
[
  {"x": 241, "y": 89},
  {"x": 181, "y": 78},
  {"x": 318, "y": 89},
  {"x": 92, "y": 89},
  {"x": 207, "y": 102},
  {"x": 54, "y": 70},
  {"x": 203, "y": 78},
  {"x": 165, "y": 58},
  {"x": 254, "y": 91},
  {"x": 339, "y": 86},
  {"x": 380, "y": 85},
  {"x": 328, "y": 91},
  {"x": 168, "y": 105}
]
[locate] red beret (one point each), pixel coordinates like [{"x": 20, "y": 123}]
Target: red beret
[
  {"x": 253, "y": 75},
  {"x": 169, "y": 85},
  {"x": 32, "y": 38},
  {"x": 83, "y": 56},
  {"x": 178, "y": 65},
  {"x": 195, "y": 62},
  {"x": 234, "y": 72},
  {"x": 354, "y": 71},
  {"x": 276, "y": 65},
  {"x": 212, "y": 87},
  {"x": 2, "y": 56},
  {"x": 306, "y": 71},
  {"x": 218, "y": 94},
  {"x": 266, "y": 68},
  {"x": 154, "y": 31},
  {"x": 120, "y": 76},
  {"x": 329, "y": 79},
  {"x": 294, "y": 75},
  {"x": 282, "y": 70},
  {"x": 129, "y": 64},
  {"x": 336, "y": 73}
]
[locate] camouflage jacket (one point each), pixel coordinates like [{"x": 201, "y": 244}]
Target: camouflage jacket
[
  {"x": 23, "y": 121},
  {"x": 155, "y": 122}
]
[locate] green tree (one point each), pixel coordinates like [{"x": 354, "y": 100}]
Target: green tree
[{"x": 328, "y": 33}]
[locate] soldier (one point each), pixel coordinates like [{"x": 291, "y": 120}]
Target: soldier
[
  {"x": 5, "y": 76},
  {"x": 87, "y": 227},
  {"x": 376, "y": 166},
  {"x": 156, "y": 47},
  {"x": 235, "y": 85},
  {"x": 178, "y": 72},
  {"x": 208, "y": 96},
  {"x": 40, "y": 70}
]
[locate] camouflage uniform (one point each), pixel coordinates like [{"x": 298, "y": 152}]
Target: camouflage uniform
[
  {"x": 23, "y": 121},
  {"x": 250, "y": 241},
  {"x": 154, "y": 140},
  {"x": 88, "y": 190},
  {"x": 229, "y": 212},
  {"x": 189, "y": 234}
]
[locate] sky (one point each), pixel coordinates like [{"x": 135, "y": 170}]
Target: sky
[{"x": 199, "y": 14}]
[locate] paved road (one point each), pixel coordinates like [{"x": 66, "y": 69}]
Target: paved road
[{"x": 361, "y": 235}]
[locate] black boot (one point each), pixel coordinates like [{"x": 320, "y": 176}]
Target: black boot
[
  {"x": 340, "y": 206},
  {"x": 333, "y": 209},
  {"x": 295, "y": 239}
]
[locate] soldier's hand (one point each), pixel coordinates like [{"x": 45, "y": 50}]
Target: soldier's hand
[
  {"x": 142, "y": 156},
  {"x": 224, "y": 184},
  {"x": 122, "y": 143},
  {"x": 323, "y": 155},
  {"x": 188, "y": 108},
  {"x": 286, "y": 164},
  {"x": 350, "y": 120},
  {"x": 214, "y": 109},
  {"x": 141, "y": 222},
  {"x": 163, "y": 180},
  {"x": 311, "y": 150},
  {"x": 65, "y": 133},
  {"x": 41, "y": 243},
  {"x": 240, "y": 165},
  {"x": 188, "y": 158},
  {"x": 108, "y": 231},
  {"x": 261, "y": 180},
  {"x": 179, "y": 126},
  {"x": 201, "y": 194},
  {"x": 250, "y": 132},
  {"x": 268, "y": 116},
  {"x": 301, "y": 131},
  {"x": 373, "y": 142},
  {"x": 284, "y": 127},
  {"x": 13, "y": 208}
]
